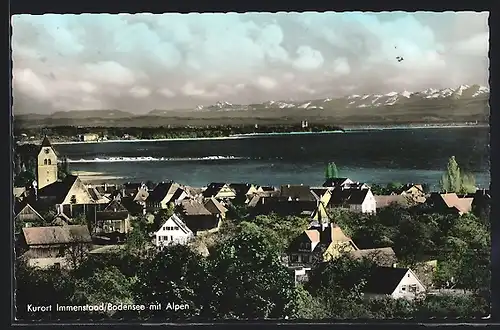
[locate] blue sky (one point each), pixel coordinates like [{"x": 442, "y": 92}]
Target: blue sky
[{"x": 142, "y": 62}]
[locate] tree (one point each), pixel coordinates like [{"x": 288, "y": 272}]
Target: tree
[
  {"x": 63, "y": 168},
  {"x": 331, "y": 171},
  {"x": 339, "y": 283},
  {"x": 106, "y": 285},
  {"x": 175, "y": 275},
  {"x": 465, "y": 260},
  {"x": 41, "y": 287},
  {"x": 138, "y": 240},
  {"x": 249, "y": 281},
  {"x": 310, "y": 307},
  {"x": 454, "y": 180}
]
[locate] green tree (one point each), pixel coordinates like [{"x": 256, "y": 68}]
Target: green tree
[
  {"x": 340, "y": 283},
  {"x": 24, "y": 179},
  {"x": 249, "y": 281},
  {"x": 331, "y": 171},
  {"x": 310, "y": 307},
  {"x": 41, "y": 287},
  {"x": 106, "y": 285},
  {"x": 175, "y": 275},
  {"x": 138, "y": 241},
  {"x": 454, "y": 180},
  {"x": 465, "y": 261}
]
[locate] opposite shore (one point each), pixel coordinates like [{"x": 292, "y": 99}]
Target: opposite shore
[{"x": 346, "y": 129}]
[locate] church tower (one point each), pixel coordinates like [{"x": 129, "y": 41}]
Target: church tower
[{"x": 47, "y": 164}]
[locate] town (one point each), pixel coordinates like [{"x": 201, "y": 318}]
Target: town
[{"x": 364, "y": 242}]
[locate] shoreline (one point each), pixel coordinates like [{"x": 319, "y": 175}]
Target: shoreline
[{"x": 253, "y": 135}]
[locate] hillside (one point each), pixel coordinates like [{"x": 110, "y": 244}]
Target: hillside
[{"x": 461, "y": 104}]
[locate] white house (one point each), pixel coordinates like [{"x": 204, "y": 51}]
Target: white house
[
  {"x": 393, "y": 282},
  {"x": 173, "y": 231},
  {"x": 356, "y": 200}
]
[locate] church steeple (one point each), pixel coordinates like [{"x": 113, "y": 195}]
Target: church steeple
[
  {"x": 47, "y": 164},
  {"x": 46, "y": 142}
]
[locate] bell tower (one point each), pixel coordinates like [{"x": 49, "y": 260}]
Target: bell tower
[{"x": 46, "y": 164}]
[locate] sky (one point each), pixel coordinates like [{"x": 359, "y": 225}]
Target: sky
[{"x": 141, "y": 62}]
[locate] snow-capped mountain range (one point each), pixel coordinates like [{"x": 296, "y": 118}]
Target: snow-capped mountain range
[{"x": 431, "y": 96}]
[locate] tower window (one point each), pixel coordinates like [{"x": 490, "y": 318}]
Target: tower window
[
  {"x": 46, "y": 151},
  {"x": 49, "y": 162},
  {"x": 45, "y": 161}
]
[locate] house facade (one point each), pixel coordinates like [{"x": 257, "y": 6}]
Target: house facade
[
  {"x": 355, "y": 200},
  {"x": 70, "y": 196},
  {"x": 393, "y": 282},
  {"x": 114, "y": 218},
  {"x": 173, "y": 231},
  {"x": 47, "y": 246},
  {"x": 319, "y": 243},
  {"x": 27, "y": 217},
  {"x": 200, "y": 220},
  {"x": 161, "y": 196}
]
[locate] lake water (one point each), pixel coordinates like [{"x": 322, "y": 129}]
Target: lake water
[{"x": 403, "y": 155}]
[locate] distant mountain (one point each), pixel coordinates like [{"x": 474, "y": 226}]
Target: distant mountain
[
  {"x": 430, "y": 97},
  {"x": 461, "y": 104}
]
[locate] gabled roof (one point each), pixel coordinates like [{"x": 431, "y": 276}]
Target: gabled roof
[
  {"x": 384, "y": 280},
  {"x": 59, "y": 189},
  {"x": 464, "y": 205},
  {"x": 451, "y": 200},
  {"x": 335, "y": 182},
  {"x": 240, "y": 188},
  {"x": 348, "y": 196},
  {"x": 382, "y": 256},
  {"x": 46, "y": 142},
  {"x": 213, "y": 189},
  {"x": 28, "y": 209},
  {"x": 60, "y": 219},
  {"x": 177, "y": 220},
  {"x": 191, "y": 207},
  {"x": 408, "y": 186},
  {"x": 313, "y": 235},
  {"x": 297, "y": 193},
  {"x": 320, "y": 191},
  {"x": 161, "y": 191},
  {"x": 178, "y": 193},
  {"x": 115, "y": 206},
  {"x": 57, "y": 235},
  {"x": 214, "y": 206}
]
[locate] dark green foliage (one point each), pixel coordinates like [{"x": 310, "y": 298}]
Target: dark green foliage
[{"x": 331, "y": 171}]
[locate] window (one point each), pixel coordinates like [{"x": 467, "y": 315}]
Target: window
[
  {"x": 47, "y": 151},
  {"x": 73, "y": 199},
  {"x": 403, "y": 288},
  {"x": 412, "y": 288},
  {"x": 171, "y": 238},
  {"x": 165, "y": 238},
  {"x": 49, "y": 162},
  {"x": 45, "y": 162}
]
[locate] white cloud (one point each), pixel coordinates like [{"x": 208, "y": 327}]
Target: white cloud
[
  {"x": 266, "y": 82},
  {"x": 140, "y": 92}
]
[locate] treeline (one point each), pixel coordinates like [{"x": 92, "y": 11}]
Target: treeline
[
  {"x": 243, "y": 276},
  {"x": 165, "y": 132}
]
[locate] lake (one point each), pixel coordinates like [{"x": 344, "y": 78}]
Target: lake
[{"x": 376, "y": 156}]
